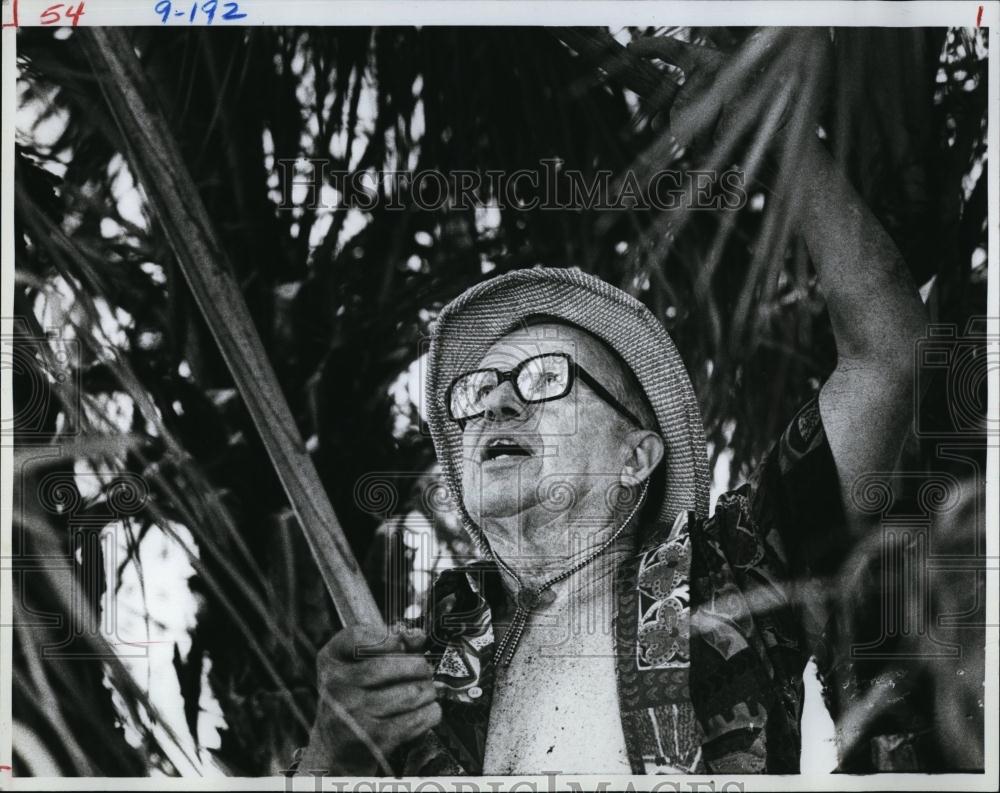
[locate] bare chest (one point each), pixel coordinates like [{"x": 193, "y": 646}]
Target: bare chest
[{"x": 555, "y": 710}]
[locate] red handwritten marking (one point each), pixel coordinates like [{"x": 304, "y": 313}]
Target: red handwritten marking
[
  {"x": 12, "y": 24},
  {"x": 50, "y": 15},
  {"x": 53, "y": 16},
  {"x": 5, "y": 768},
  {"x": 979, "y": 16}
]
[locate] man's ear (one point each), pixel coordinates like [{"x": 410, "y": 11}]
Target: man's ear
[{"x": 647, "y": 451}]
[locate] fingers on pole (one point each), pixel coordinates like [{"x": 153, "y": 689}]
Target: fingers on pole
[{"x": 685, "y": 56}]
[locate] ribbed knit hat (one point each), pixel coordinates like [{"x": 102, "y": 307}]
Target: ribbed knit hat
[{"x": 472, "y": 322}]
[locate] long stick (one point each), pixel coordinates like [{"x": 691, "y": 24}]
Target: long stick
[{"x": 157, "y": 162}]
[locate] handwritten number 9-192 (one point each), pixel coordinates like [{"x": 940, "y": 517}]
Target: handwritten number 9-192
[{"x": 167, "y": 11}]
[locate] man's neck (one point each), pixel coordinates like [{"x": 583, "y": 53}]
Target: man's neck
[
  {"x": 590, "y": 581},
  {"x": 577, "y": 622},
  {"x": 579, "y": 605},
  {"x": 537, "y": 551}
]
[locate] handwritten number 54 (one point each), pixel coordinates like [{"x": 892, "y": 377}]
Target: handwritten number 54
[{"x": 53, "y": 15}]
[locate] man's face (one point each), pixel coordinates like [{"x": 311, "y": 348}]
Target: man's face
[{"x": 543, "y": 460}]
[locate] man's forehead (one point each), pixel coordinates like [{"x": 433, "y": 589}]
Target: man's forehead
[{"x": 545, "y": 337}]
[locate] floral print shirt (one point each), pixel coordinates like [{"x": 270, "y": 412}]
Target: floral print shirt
[{"x": 711, "y": 636}]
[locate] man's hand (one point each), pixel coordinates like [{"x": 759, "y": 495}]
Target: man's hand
[
  {"x": 724, "y": 94},
  {"x": 375, "y": 695}
]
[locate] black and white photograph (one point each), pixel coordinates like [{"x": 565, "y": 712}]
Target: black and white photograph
[{"x": 526, "y": 402}]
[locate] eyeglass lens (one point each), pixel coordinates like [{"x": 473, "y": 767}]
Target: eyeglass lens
[
  {"x": 544, "y": 377},
  {"x": 540, "y": 378}
]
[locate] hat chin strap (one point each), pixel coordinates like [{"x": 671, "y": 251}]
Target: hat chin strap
[{"x": 529, "y": 598}]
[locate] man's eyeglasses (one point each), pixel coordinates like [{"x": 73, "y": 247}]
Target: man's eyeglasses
[{"x": 541, "y": 378}]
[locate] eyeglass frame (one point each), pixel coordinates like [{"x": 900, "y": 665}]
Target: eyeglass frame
[{"x": 510, "y": 376}]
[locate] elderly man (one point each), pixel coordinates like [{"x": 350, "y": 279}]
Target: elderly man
[{"x": 613, "y": 626}]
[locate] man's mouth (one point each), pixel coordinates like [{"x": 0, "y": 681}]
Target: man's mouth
[{"x": 502, "y": 448}]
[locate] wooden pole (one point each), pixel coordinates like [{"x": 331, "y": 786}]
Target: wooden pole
[{"x": 156, "y": 160}]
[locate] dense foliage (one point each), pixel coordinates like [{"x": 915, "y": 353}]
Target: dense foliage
[{"x": 343, "y": 298}]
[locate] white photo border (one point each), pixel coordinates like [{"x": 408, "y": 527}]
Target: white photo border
[{"x": 842, "y": 13}]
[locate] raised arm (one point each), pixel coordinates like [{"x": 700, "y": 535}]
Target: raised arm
[
  {"x": 875, "y": 310},
  {"x": 877, "y": 317}
]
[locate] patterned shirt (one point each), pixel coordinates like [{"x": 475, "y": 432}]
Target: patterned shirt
[{"x": 711, "y": 633}]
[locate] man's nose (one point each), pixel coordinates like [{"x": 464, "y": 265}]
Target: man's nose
[{"x": 503, "y": 404}]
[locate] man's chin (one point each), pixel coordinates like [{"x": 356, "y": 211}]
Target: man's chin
[
  {"x": 488, "y": 508},
  {"x": 496, "y": 499},
  {"x": 499, "y": 490}
]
